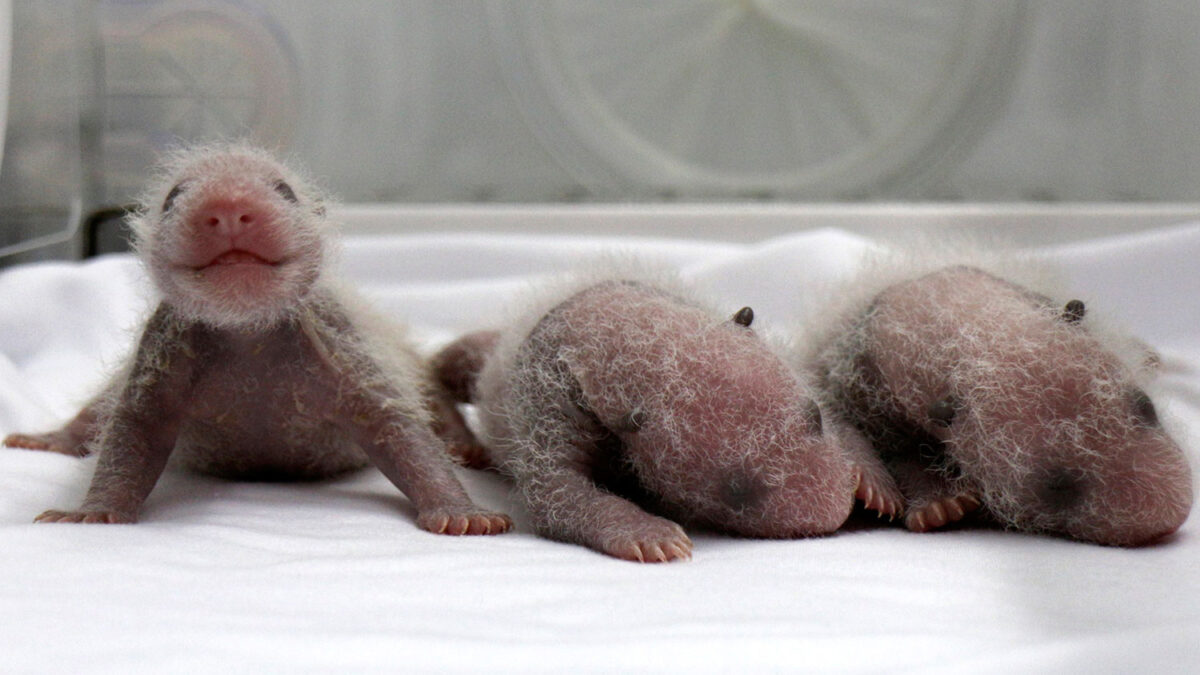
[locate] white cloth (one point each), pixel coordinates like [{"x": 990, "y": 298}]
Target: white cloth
[{"x": 232, "y": 577}]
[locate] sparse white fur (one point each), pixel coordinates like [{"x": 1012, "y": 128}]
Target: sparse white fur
[
  {"x": 529, "y": 310},
  {"x": 1010, "y": 360},
  {"x": 375, "y": 349},
  {"x": 904, "y": 259},
  {"x": 254, "y": 363},
  {"x": 235, "y": 170},
  {"x": 765, "y": 437}
]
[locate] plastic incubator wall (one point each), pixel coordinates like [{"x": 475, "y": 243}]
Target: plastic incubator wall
[{"x": 625, "y": 100}]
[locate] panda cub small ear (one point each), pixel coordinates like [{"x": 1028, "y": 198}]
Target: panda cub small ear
[
  {"x": 1073, "y": 312},
  {"x": 744, "y": 317}
]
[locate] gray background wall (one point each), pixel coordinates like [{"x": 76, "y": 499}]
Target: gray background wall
[{"x": 612, "y": 100}]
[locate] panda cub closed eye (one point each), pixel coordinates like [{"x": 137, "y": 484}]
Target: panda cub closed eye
[
  {"x": 171, "y": 196},
  {"x": 1143, "y": 408},
  {"x": 285, "y": 191}
]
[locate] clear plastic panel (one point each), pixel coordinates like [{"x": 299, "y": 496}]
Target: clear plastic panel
[
  {"x": 5, "y": 59},
  {"x": 778, "y": 98},
  {"x": 51, "y": 109}
]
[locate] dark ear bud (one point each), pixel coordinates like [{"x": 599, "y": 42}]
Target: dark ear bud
[
  {"x": 744, "y": 317},
  {"x": 1074, "y": 311}
]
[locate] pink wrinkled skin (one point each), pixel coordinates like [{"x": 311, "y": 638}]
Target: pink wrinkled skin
[
  {"x": 980, "y": 394},
  {"x": 253, "y": 365},
  {"x": 625, "y": 405}
]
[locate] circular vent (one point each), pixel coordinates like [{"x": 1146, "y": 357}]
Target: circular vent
[{"x": 757, "y": 97}]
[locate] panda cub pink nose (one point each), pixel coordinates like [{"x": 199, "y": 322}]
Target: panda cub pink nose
[{"x": 228, "y": 219}]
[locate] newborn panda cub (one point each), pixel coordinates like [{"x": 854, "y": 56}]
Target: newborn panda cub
[
  {"x": 253, "y": 365},
  {"x": 978, "y": 393},
  {"x": 617, "y": 403}
]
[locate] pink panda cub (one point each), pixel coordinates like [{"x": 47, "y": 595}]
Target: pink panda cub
[
  {"x": 255, "y": 364},
  {"x": 622, "y": 408},
  {"x": 981, "y": 395}
]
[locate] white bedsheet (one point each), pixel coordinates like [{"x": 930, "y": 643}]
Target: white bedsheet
[{"x": 235, "y": 577}]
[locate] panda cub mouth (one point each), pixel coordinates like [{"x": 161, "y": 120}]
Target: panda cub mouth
[{"x": 237, "y": 257}]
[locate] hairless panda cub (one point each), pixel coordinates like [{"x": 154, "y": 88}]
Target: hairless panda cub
[
  {"x": 620, "y": 395},
  {"x": 979, "y": 393},
  {"x": 253, "y": 366}
]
